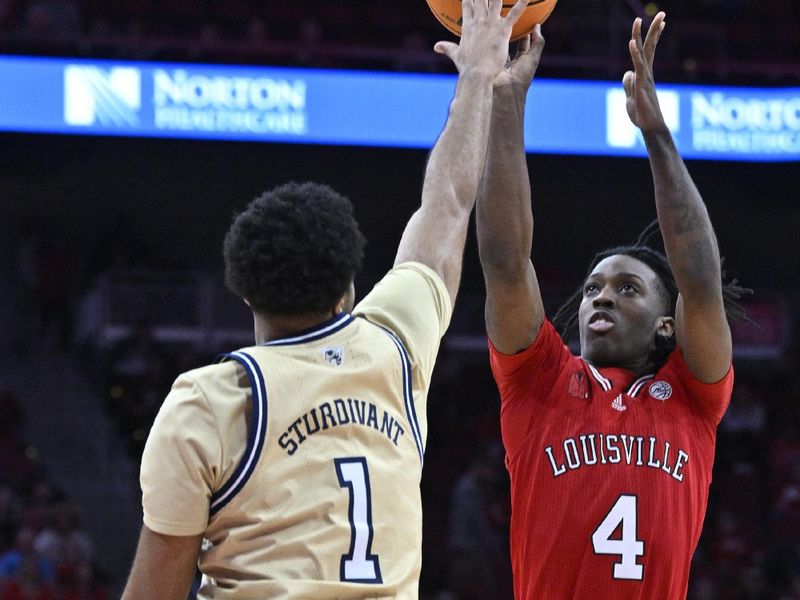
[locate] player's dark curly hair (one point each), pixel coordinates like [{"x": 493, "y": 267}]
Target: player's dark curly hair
[
  {"x": 566, "y": 318},
  {"x": 294, "y": 250}
]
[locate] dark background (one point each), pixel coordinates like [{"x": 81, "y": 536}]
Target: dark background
[{"x": 179, "y": 197}]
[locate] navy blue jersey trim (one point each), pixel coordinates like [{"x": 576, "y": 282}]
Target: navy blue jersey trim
[
  {"x": 255, "y": 438},
  {"x": 408, "y": 396},
  {"x": 317, "y": 332}
]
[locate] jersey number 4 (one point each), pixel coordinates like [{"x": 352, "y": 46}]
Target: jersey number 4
[
  {"x": 627, "y": 546},
  {"x": 359, "y": 565}
]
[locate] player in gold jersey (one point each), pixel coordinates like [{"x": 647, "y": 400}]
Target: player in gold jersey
[{"x": 292, "y": 468}]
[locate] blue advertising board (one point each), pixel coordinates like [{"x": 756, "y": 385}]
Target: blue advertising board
[{"x": 171, "y": 100}]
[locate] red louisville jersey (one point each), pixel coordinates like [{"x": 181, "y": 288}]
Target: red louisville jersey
[{"x": 609, "y": 472}]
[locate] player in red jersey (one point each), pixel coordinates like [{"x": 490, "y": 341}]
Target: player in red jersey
[{"x": 609, "y": 453}]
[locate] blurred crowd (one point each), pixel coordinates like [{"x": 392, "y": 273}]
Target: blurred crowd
[
  {"x": 44, "y": 552},
  {"x": 712, "y": 40}
]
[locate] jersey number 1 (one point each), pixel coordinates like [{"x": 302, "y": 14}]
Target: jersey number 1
[
  {"x": 627, "y": 546},
  {"x": 359, "y": 565}
]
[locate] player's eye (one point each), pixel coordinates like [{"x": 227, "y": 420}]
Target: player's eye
[
  {"x": 628, "y": 289},
  {"x": 590, "y": 288}
]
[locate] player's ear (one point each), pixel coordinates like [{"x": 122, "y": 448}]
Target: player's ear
[
  {"x": 347, "y": 301},
  {"x": 665, "y": 326}
]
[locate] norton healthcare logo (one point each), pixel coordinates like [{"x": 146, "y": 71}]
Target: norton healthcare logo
[
  {"x": 94, "y": 96},
  {"x": 747, "y": 123},
  {"x": 212, "y": 101},
  {"x": 621, "y": 133}
]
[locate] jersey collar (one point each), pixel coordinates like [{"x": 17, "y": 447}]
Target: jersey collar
[
  {"x": 317, "y": 332},
  {"x": 611, "y": 377}
]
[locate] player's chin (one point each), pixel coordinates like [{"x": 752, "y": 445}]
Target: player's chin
[{"x": 599, "y": 349}]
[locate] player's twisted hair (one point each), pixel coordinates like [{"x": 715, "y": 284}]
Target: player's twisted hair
[
  {"x": 566, "y": 318},
  {"x": 294, "y": 250}
]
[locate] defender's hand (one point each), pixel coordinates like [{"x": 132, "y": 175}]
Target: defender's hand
[{"x": 484, "y": 37}]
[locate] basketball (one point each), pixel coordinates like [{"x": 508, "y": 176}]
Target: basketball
[{"x": 449, "y": 14}]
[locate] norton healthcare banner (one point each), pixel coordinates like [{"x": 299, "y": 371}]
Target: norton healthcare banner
[{"x": 279, "y": 105}]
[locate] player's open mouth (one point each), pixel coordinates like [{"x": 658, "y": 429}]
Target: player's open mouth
[{"x": 601, "y": 322}]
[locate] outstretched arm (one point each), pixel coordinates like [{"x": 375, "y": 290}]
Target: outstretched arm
[
  {"x": 514, "y": 309},
  {"x": 700, "y": 324},
  {"x": 436, "y": 233}
]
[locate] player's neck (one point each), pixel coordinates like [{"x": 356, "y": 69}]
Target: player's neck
[
  {"x": 634, "y": 368},
  {"x": 274, "y": 327}
]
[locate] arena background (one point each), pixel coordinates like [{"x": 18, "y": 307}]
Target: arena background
[{"x": 110, "y": 271}]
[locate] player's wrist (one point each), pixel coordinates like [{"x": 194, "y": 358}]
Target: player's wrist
[
  {"x": 478, "y": 74},
  {"x": 510, "y": 91},
  {"x": 657, "y": 136}
]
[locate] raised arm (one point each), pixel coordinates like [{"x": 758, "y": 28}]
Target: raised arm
[
  {"x": 436, "y": 233},
  {"x": 701, "y": 327},
  {"x": 514, "y": 310}
]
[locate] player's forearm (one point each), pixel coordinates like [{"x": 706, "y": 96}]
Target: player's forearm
[
  {"x": 689, "y": 238},
  {"x": 456, "y": 161},
  {"x": 504, "y": 218},
  {"x": 436, "y": 233}
]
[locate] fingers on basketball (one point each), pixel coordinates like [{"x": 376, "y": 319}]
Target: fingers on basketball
[{"x": 516, "y": 11}]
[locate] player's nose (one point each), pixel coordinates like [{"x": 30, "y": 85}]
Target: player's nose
[{"x": 603, "y": 299}]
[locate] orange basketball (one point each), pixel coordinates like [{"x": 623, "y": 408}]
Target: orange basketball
[{"x": 449, "y": 14}]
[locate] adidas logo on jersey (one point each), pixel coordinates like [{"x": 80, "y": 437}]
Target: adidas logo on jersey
[{"x": 618, "y": 405}]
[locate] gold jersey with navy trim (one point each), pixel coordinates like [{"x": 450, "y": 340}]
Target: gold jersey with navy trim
[{"x": 300, "y": 460}]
